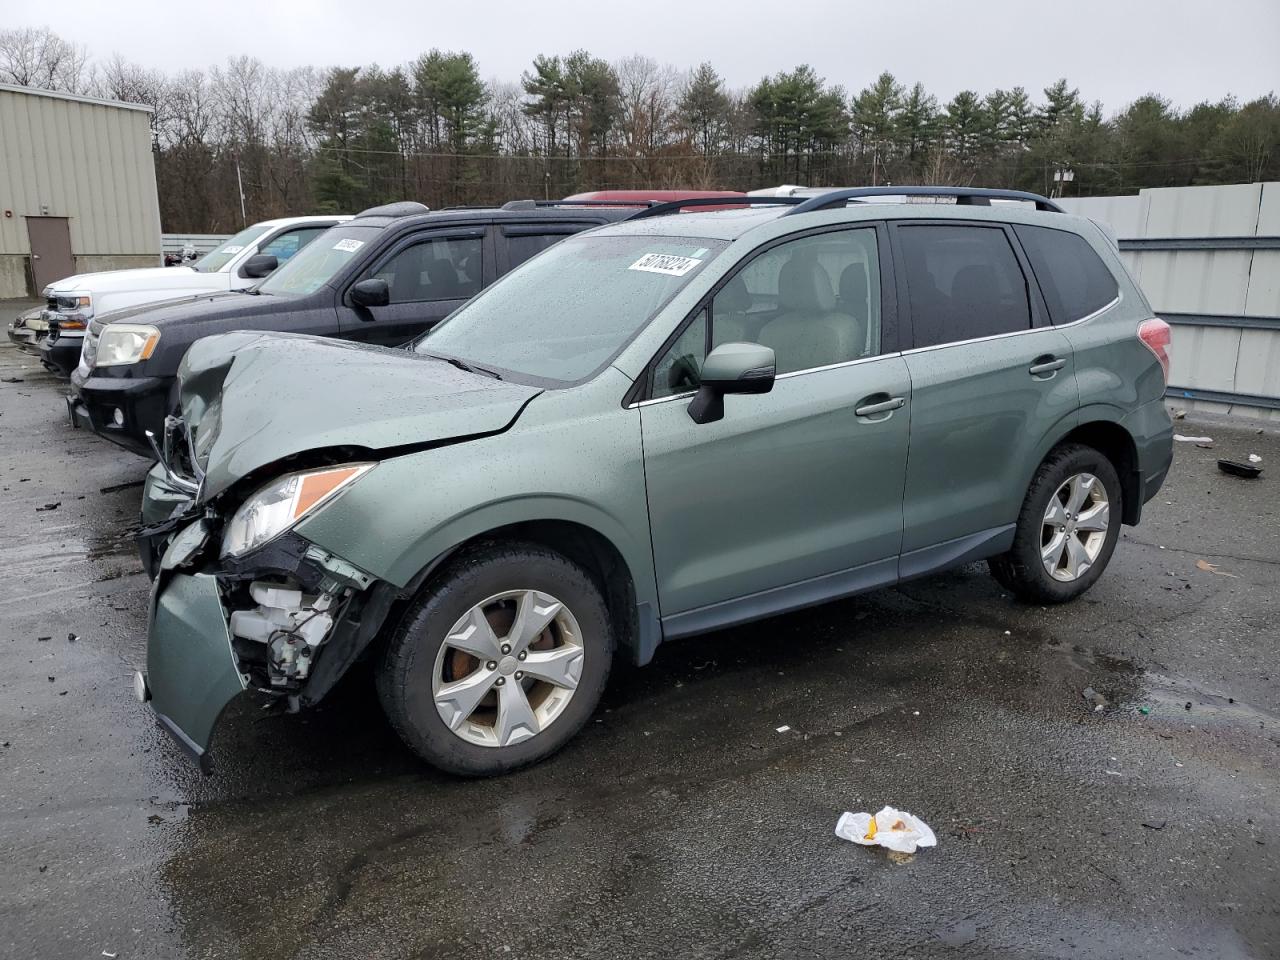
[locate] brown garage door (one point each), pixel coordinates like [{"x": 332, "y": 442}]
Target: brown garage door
[{"x": 50, "y": 250}]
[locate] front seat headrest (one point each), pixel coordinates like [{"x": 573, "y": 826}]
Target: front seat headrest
[{"x": 804, "y": 286}]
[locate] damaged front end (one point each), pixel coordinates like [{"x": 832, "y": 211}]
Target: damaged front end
[
  {"x": 241, "y": 602},
  {"x": 273, "y": 429}
]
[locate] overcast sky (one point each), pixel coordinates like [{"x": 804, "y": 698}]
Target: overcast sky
[{"x": 1113, "y": 50}]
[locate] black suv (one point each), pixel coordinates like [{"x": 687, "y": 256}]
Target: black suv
[{"x": 384, "y": 277}]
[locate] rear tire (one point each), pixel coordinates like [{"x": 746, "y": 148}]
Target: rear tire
[
  {"x": 1067, "y": 528},
  {"x": 464, "y": 679}
]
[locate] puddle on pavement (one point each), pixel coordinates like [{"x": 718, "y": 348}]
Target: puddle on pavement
[
  {"x": 1129, "y": 687},
  {"x": 1169, "y": 696}
]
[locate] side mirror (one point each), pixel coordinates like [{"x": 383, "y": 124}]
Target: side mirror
[
  {"x": 259, "y": 266},
  {"x": 373, "y": 292},
  {"x": 731, "y": 368}
]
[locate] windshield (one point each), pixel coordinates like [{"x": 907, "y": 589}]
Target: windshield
[
  {"x": 565, "y": 314},
  {"x": 318, "y": 262},
  {"x": 217, "y": 258}
]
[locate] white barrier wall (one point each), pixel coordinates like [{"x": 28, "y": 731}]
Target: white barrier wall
[{"x": 1208, "y": 259}]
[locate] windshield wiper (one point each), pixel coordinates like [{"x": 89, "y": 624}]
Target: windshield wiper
[{"x": 463, "y": 365}]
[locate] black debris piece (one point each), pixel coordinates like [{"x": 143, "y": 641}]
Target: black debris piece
[
  {"x": 116, "y": 487},
  {"x": 49, "y": 506},
  {"x": 1237, "y": 469}
]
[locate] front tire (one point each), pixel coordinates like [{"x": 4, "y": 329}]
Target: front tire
[
  {"x": 1067, "y": 528},
  {"x": 499, "y": 662}
]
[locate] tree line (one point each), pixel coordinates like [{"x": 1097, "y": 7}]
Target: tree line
[{"x": 310, "y": 140}]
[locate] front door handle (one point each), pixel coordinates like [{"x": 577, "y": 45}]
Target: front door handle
[
  {"x": 884, "y": 406},
  {"x": 1046, "y": 365}
]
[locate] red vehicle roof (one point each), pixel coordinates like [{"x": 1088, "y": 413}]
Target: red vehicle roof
[{"x": 662, "y": 196}]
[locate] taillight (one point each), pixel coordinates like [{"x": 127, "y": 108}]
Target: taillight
[{"x": 1154, "y": 333}]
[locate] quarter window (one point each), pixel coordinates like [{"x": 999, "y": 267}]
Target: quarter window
[
  {"x": 964, "y": 282},
  {"x": 1074, "y": 280},
  {"x": 444, "y": 268},
  {"x": 677, "y": 370}
]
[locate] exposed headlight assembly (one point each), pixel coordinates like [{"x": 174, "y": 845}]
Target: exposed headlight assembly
[
  {"x": 283, "y": 502},
  {"x": 122, "y": 343},
  {"x": 75, "y": 310}
]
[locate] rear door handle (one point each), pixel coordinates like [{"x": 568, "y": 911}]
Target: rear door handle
[
  {"x": 1046, "y": 365},
  {"x": 884, "y": 406}
]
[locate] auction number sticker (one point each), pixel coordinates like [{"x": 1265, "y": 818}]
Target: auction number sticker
[
  {"x": 668, "y": 264},
  {"x": 348, "y": 246}
]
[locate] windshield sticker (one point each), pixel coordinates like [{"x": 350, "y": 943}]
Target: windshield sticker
[
  {"x": 348, "y": 246},
  {"x": 665, "y": 263},
  {"x": 232, "y": 249}
]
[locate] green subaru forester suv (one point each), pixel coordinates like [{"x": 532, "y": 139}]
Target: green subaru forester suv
[{"x": 661, "y": 427}]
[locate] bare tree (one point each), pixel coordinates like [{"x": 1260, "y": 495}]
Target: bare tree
[
  {"x": 38, "y": 57},
  {"x": 647, "y": 125}
]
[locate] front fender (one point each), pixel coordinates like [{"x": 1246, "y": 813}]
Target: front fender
[{"x": 586, "y": 470}]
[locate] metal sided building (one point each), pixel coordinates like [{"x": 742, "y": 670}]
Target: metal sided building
[
  {"x": 77, "y": 188},
  {"x": 1208, "y": 259}
]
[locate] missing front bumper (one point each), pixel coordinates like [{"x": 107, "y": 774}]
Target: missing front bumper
[{"x": 195, "y": 666}]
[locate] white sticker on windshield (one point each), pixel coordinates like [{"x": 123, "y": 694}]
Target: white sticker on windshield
[
  {"x": 665, "y": 263},
  {"x": 232, "y": 249},
  {"x": 348, "y": 246}
]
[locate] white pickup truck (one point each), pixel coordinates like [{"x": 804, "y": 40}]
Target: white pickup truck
[{"x": 234, "y": 264}]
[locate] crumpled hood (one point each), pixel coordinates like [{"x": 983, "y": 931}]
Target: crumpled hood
[{"x": 251, "y": 399}]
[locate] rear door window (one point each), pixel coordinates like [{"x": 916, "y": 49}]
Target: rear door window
[
  {"x": 963, "y": 281},
  {"x": 1074, "y": 280},
  {"x": 524, "y": 243}
]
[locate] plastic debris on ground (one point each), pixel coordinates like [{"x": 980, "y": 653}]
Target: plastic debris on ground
[
  {"x": 892, "y": 829},
  {"x": 1254, "y": 458},
  {"x": 1178, "y": 436},
  {"x": 782, "y": 729},
  {"x": 1094, "y": 697}
]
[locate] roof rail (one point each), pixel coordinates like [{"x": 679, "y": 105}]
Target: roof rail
[
  {"x": 965, "y": 196},
  {"x": 537, "y": 204},
  {"x": 675, "y": 206},
  {"x": 403, "y": 208}
]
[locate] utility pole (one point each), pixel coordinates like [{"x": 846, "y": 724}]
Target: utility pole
[{"x": 244, "y": 219}]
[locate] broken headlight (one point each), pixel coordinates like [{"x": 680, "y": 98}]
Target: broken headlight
[{"x": 283, "y": 502}]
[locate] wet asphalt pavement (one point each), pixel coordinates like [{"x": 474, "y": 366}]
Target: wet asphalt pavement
[{"x": 679, "y": 823}]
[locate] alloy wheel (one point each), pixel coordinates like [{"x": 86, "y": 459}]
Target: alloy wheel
[
  {"x": 1074, "y": 527},
  {"x": 508, "y": 668}
]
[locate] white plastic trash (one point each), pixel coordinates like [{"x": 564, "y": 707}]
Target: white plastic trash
[{"x": 894, "y": 829}]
